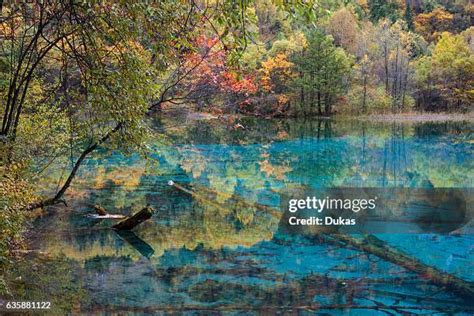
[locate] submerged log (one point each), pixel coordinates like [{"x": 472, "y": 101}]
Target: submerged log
[
  {"x": 201, "y": 193},
  {"x": 198, "y": 196},
  {"x": 240, "y": 200},
  {"x": 376, "y": 247},
  {"x": 372, "y": 245},
  {"x": 137, "y": 218}
]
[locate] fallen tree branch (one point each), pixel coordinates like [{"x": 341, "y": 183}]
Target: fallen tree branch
[
  {"x": 381, "y": 250},
  {"x": 207, "y": 195},
  {"x": 57, "y": 198},
  {"x": 100, "y": 210},
  {"x": 136, "y": 219}
]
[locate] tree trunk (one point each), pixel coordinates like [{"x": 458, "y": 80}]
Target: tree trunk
[
  {"x": 302, "y": 89},
  {"x": 327, "y": 105},
  {"x": 376, "y": 247},
  {"x": 395, "y": 75},
  {"x": 82, "y": 157},
  {"x": 320, "y": 112},
  {"x": 386, "y": 68},
  {"x": 100, "y": 210},
  {"x": 136, "y": 219},
  {"x": 364, "y": 96},
  {"x": 404, "y": 89}
]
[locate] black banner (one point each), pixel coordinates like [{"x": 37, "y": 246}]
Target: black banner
[{"x": 378, "y": 210}]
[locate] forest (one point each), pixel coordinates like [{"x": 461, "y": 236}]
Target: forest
[
  {"x": 83, "y": 79},
  {"x": 349, "y": 57}
]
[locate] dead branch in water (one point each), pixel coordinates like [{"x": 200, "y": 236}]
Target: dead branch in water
[
  {"x": 100, "y": 210},
  {"x": 387, "y": 253},
  {"x": 134, "y": 220}
]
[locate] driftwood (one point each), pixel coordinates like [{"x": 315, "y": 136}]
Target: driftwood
[
  {"x": 100, "y": 210},
  {"x": 137, "y": 218},
  {"x": 101, "y": 213},
  {"x": 108, "y": 216},
  {"x": 374, "y": 246}
]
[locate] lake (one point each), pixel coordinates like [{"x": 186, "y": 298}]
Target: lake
[{"x": 214, "y": 252}]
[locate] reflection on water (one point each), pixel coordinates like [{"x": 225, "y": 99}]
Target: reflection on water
[{"x": 220, "y": 253}]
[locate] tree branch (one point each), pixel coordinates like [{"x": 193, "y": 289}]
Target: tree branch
[{"x": 57, "y": 198}]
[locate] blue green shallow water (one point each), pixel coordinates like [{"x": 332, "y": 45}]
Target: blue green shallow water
[{"x": 196, "y": 257}]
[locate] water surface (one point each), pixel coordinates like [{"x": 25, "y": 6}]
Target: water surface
[{"x": 199, "y": 255}]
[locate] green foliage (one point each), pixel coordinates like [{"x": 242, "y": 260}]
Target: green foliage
[
  {"x": 15, "y": 194},
  {"x": 380, "y": 9},
  {"x": 408, "y": 16},
  {"x": 446, "y": 78},
  {"x": 288, "y": 46},
  {"x": 373, "y": 99},
  {"x": 252, "y": 57},
  {"x": 322, "y": 68}
]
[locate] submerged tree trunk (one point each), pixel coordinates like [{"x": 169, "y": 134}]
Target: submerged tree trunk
[{"x": 374, "y": 246}]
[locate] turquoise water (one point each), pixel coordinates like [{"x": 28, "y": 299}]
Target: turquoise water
[{"x": 210, "y": 252}]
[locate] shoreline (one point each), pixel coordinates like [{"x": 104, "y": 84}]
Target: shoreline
[
  {"x": 418, "y": 117},
  {"x": 408, "y": 117}
]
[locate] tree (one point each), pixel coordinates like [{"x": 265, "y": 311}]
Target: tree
[
  {"x": 324, "y": 68},
  {"x": 408, "y": 16},
  {"x": 362, "y": 74},
  {"x": 396, "y": 46},
  {"x": 30, "y": 32},
  {"x": 103, "y": 60},
  {"x": 208, "y": 78},
  {"x": 271, "y": 21},
  {"x": 380, "y": 9},
  {"x": 105, "y": 66},
  {"x": 344, "y": 29},
  {"x": 289, "y": 45},
  {"x": 431, "y": 24},
  {"x": 104, "y": 69},
  {"x": 446, "y": 79},
  {"x": 276, "y": 73},
  {"x": 366, "y": 89}
]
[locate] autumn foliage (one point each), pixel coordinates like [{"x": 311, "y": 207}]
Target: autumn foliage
[
  {"x": 431, "y": 25},
  {"x": 210, "y": 77}
]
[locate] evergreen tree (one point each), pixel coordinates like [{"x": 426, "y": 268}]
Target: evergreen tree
[
  {"x": 408, "y": 16},
  {"x": 323, "y": 68},
  {"x": 380, "y": 9}
]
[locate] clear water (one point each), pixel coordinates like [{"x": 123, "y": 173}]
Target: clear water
[{"x": 200, "y": 255}]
